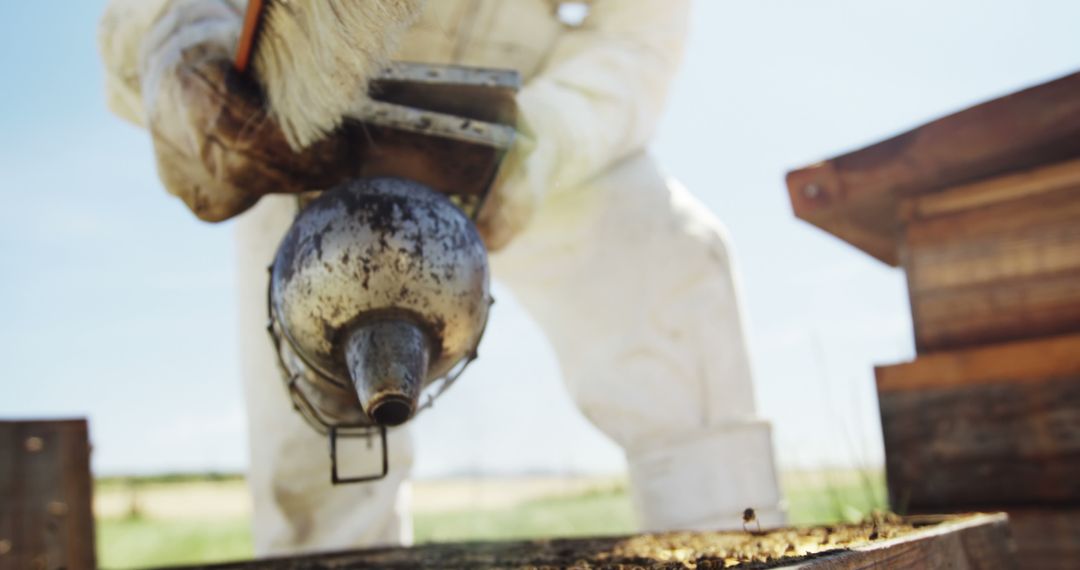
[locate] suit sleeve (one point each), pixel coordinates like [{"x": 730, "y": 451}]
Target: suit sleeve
[{"x": 601, "y": 93}]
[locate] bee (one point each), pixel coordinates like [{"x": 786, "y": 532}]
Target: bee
[{"x": 749, "y": 516}]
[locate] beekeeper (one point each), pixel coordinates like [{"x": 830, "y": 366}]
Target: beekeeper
[{"x": 629, "y": 276}]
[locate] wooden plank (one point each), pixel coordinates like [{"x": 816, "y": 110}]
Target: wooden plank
[
  {"x": 965, "y": 445},
  {"x": 977, "y": 314},
  {"x": 1048, "y": 539},
  {"x": 1044, "y": 247},
  {"x": 855, "y": 196},
  {"x": 996, "y": 223},
  {"x": 45, "y": 496},
  {"x": 480, "y": 94},
  {"x": 1030, "y": 361},
  {"x": 997, "y": 270},
  {"x": 451, "y": 155},
  {"x": 980, "y": 542},
  {"x": 1045, "y": 538},
  {"x": 972, "y": 541},
  {"x": 1024, "y": 184}
]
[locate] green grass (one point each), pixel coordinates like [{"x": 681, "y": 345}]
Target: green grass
[
  {"x": 141, "y": 542},
  {"x": 132, "y": 542},
  {"x": 833, "y": 496},
  {"x": 114, "y": 481},
  {"x": 594, "y": 513}
]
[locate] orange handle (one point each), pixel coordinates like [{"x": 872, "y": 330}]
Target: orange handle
[{"x": 252, "y": 24}]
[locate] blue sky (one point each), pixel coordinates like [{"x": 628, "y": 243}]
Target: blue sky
[{"x": 118, "y": 305}]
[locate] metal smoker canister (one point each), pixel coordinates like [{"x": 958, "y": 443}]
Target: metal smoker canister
[{"x": 379, "y": 289}]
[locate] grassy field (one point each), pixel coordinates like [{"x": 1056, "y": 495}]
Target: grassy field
[{"x": 187, "y": 520}]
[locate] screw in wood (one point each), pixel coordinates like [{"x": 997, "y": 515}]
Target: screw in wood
[
  {"x": 57, "y": 508},
  {"x": 34, "y": 444},
  {"x": 5, "y": 547},
  {"x": 811, "y": 191}
]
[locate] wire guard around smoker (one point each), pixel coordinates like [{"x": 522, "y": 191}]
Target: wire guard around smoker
[{"x": 331, "y": 428}]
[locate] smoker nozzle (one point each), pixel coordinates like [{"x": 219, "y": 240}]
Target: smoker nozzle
[{"x": 388, "y": 362}]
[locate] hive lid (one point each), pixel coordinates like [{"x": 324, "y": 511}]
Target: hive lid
[{"x": 854, "y": 196}]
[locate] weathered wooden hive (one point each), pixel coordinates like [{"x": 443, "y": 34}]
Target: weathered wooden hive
[
  {"x": 46, "y": 522},
  {"x": 978, "y": 542},
  {"x": 46, "y": 519},
  {"x": 982, "y": 210}
]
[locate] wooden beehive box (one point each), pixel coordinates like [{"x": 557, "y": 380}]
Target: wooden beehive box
[
  {"x": 976, "y": 542},
  {"x": 46, "y": 521},
  {"x": 982, "y": 210},
  {"x": 995, "y": 260}
]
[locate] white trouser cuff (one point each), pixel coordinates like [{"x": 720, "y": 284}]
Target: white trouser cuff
[{"x": 705, "y": 480}]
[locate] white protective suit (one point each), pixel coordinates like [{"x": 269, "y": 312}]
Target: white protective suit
[{"x": 628, "y": 275}]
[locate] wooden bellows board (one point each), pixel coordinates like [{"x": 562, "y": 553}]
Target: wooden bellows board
[
  {"x": 982, "y": 211},
  {"x": 446, "y": 126}
]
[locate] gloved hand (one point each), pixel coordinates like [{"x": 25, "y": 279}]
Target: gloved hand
[
  {"x": 511, "y": 202},
  {"x": 217, "y": 147}
]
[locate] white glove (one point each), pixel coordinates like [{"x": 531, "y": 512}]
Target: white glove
[
  {"x": 513, "y": 199},
  {"x": 218, "y": 140},
  {"x": 216, "y": 145},
  {"x": 183, "y": 64}
]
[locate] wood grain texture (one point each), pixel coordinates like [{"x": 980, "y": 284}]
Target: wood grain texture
[
  {"x": 856, "y": 196},
  {"x": 987, "y": 441},
  {"x": 45, "y": 496},
  {"x": 997, "y": 270},
  {"x": 1044, "y": 538},
  {"x": 1014, "y": 362},
  {"x": 981, "y": 542},
  {"x": 978, "y": 542},
  {"x": 1048, "y": 539},
  {"x": 997, "y": 190},
  {"x": 480, "y": 94}
]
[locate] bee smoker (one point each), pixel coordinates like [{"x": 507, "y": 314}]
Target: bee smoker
[
  {"x": 379, "y": 292},
  {"x": 379, "y": 288}
]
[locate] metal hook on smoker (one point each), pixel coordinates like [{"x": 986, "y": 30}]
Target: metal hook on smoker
[{"x": 335, "y": 479}]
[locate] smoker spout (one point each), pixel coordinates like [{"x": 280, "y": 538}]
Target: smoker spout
[{"x": 388, "y": 362}]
